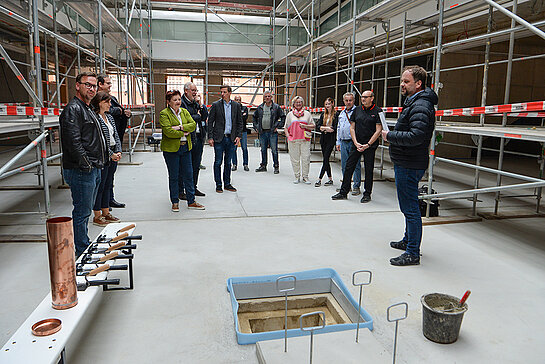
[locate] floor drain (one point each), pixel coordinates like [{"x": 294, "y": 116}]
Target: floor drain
[{"x": 258, "y": 307}]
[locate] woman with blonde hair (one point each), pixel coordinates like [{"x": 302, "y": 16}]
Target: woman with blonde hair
[
  {"x": 327, "y": 126},
  {"x": 298, "y": 129}
]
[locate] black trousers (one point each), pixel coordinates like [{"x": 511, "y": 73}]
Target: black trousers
[
  {"x": 327, "y": 145},
  {"x": 369, "y": 165}
]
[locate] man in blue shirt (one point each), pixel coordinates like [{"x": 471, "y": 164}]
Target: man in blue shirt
[
  {"x": 224, "y": 132},
  {"x": 344, "y": 140}
]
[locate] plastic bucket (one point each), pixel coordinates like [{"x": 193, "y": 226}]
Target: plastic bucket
[{"x": 442, "y": 318}]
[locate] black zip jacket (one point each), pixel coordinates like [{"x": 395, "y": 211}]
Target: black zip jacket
[
  {"x": 278, "y": 119},
  {"x": 328, "y": 137},
  {"x": 83, "y": 144},
  {"x": 198, "y": 114},
  {"x": 410, "y": 140}
]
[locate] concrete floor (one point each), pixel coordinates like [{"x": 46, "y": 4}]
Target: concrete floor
[{"x": 180, "y": 310}]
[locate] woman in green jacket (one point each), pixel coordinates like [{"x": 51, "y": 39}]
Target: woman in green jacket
[{"x": 177, "y": 124}]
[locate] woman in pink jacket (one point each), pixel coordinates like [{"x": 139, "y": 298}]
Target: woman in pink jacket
[{"x": 298, "y": 129}]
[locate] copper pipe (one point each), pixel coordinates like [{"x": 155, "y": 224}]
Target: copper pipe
[{"x": 62, "y": 262}]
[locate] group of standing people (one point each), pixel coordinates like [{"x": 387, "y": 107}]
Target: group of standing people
[
  {"x": 92, "y": 126},
  {"x": 93, "y": 123}
]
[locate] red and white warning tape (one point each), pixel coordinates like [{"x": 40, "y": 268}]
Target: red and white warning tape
[
  {"x": 28, "y": 111},
  {"x": 12, "y": 110}
]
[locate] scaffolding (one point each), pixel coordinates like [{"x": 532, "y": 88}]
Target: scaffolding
[
  {"x": 85, "y": 29},
  {"x": 415, "y": 38}
]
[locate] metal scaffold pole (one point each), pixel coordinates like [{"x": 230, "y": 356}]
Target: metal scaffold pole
[
  {"x": 505, "y": 101},
  {"x": 206, "y": 49},
  {"x": 39, "y": 89},
  {"x": 100, "y": 38},
  {"x": 437, "y": 84},
  {"x": 127, "y": 74},
  {"x": 287, "y": 78},
  {"x": 483, "y": 103}
]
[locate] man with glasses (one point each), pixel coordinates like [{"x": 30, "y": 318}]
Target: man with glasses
[
  {"x": 198, "y": 137},
  {"x": 121, "y": 117},
  {"x": 365, "y": 128},
  {"x": 83, "y": 155},
  {"x": 344, "y": 140}
]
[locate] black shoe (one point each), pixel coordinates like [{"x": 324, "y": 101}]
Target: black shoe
[
  {"x": 405, "y": 259},
  {"x": 246, "y": 168},
  {"x": 230, "y": 188},
  {"x": 401, "y": 245},
  {"x": 234, "y": 167},
  {"x": 338, "y": 196},
  {"x": 328, "y": 183},
  {"x": 261, "y": 169},
  {"x": 199, "y": 193},
  {"x": 182, "y": 196},
  {"x": 202, "y": 167},
  {"x": 276, "y": 170},
  {"x": 117, "y": 205},
  {"x": 219, "y": 189},
  {"x": 366, "y": 198}
]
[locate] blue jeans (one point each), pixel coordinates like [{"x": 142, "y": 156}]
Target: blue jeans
[
  {"x": 105, "y": 187},
  {"x": 83, "y": 188},
  {"x": 266, "y": 139},
  {"x": 180, "y": 173},
  {"x": 346, "y": 148},
  {"x": 407, "y": 195},
  {"x": 223, "y": 151},
  {"x": 244, "y": 146}
]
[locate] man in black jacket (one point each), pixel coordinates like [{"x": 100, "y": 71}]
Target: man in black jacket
[
  {"x": 121, "y": 116},
  {"x": 409, "y": 145},
  {"x": 365, "y": 128},
  {"x": 84, "y": 154},
  {"x": 243, "y": 140},
  {"x": 224, "y": 132},
  {"x": 199, "y": 135},
  {"x": 268, "y": 117}
]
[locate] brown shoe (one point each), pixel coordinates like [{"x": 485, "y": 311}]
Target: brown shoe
[
  {"x": 111, "y": 218},
  {"x": 195, "y": 206},
  {"x": 175, "y": 207},
  {"x": 230, "y": 188},
  {"x": 100, "y": 221}
]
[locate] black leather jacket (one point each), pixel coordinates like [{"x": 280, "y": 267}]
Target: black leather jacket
[{"x": 83, "y": 144}]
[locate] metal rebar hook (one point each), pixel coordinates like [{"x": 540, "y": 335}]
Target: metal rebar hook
[
  {"x": 397, "y": 319},
  {"x": 360, "y": 284},
  {"x": 313, "y": 328},
  {"x": 285, "y": 291}
]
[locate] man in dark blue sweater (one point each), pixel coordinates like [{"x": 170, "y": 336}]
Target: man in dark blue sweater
[{"x": 409, "y": 145}]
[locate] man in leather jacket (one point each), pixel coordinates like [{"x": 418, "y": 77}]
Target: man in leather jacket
[
  {"x": 199, "y": 115},
  {"x": 121, "y": 116},
  {"x": 409, "y": 148},
  {"x": 84, "y": 154}
]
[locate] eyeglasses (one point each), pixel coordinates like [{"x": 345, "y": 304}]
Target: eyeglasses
[{"x": 90, "y": 86}]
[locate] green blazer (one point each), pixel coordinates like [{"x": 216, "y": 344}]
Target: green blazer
[{"x": 171, "y": 138}]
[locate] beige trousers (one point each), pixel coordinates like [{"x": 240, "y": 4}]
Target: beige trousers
[{"x": 300, "y": 157}]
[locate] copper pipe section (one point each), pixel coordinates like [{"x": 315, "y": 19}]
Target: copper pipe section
[
  {"x": 46, "y": 327},
  {"x": 128, "y": 227},
  {"x": 62, "y": 262}
]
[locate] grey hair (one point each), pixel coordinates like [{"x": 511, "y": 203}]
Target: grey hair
[
  {"x": 351, "y": 94},
  {"x": 187, "y": 85},
  {"x": 297, "y": 98},
  {"x": 267, "y": 92}
]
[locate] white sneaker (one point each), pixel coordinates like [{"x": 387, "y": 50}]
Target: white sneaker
[
  {"x": 296, "y": 181},
  {"x": 306, "y": 181}
]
